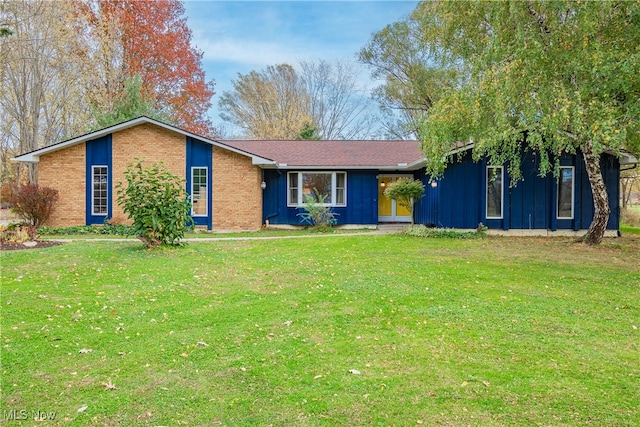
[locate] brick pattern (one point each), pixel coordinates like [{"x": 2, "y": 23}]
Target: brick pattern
[
  {"x": 237, "y": 196},
  {"x": 151, "y": 144},
  {"x": 64, "y": 170}
]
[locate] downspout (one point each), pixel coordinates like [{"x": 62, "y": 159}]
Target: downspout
[{"x": 277, "y": 212}]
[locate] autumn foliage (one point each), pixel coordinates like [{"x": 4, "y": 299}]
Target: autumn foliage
[
  {"x": 155, "y": 43},
  {"x": 67, "y": 65}
]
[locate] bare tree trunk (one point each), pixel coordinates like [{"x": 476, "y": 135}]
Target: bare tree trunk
[
  {"x": 600, "y": 198},
  {"x": 627, "y": 181},
  {"x": 623, "y": 190},
  {"x": 42, "y": 88},
  {"x": 412, "y": 207}
]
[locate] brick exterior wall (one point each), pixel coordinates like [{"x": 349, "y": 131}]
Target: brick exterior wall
[
  {"x": 237, "y": 196},
  {"x": 151, "y": 144},
  {"x": 64, "y": 170}
]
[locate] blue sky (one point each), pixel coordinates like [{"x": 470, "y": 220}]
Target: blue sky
[{"x": 240, "y": 36}]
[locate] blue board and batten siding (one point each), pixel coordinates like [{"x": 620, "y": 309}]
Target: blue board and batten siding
[
  {"x": 362, "y": 199},
  {"x": 459, "y": 198},
  {"x": 199, "y": 154},
  {"x": 427, "y": 208},
  {"x": 361, "y": 207},
  {"x": 98, "y": 153},
  {"x": 531, "y": 204}
]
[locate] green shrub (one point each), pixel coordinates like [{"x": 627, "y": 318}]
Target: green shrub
[
  {"x": 316, "y": 213},
  {"x": 108, "y": 228},
  {"x": 157, "y": 203},
  {"x": 33, "y": 204}
]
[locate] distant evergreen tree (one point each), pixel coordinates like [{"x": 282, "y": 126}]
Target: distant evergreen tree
[
  {"x": 131, "y": 104},
  {"x": 309, "y": 132}
]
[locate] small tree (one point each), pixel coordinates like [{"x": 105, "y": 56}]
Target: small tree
[
  {"x": 405, "y": 192},
  {"x": 33, "y": 204},
  {"x": 157, "y": 203}
]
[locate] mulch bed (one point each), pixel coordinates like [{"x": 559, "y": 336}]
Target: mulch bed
[{"x": 7, "y": 246}]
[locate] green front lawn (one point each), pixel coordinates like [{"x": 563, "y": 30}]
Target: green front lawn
[
  {"x": 99, "y": 232},
  {"x": 347, "y": 330}
]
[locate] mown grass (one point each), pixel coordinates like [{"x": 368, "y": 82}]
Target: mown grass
[
  {"x": 627, "y": 229},
  {"x": 494, "y": 331},
  {"x": 99, "y": 232}
]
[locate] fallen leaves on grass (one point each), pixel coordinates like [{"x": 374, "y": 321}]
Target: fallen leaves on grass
[
  {"x": 108, "y": 385},
  {"x": 484, "y": 383}
]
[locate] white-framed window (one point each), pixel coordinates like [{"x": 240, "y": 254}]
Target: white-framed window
[
  {"x": 331, "y": 185},
  {"x": 100, "y": 190},
  {"x": 199, "y": 191},
  {"x": 292, "y": 194},
  {"x": 495, "y": 191},
  {"x": 565, "y": 193}
]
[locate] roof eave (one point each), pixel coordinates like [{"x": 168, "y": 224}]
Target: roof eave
[
  {"x": 263, "y": 163},
  {"x": 410, "y": 167},
  {"x": 626, "y": 158},
  {"x": 34, "y": 156},
  {"x": 26, "y": 158}
]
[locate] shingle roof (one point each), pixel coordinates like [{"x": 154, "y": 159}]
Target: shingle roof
[
  {"x": 341, "y": 154},
  {"x": 384, "y": 155}
]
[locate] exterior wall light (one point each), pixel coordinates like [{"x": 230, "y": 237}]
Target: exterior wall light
[
  {"x": 263, "y": 185},
  {"x": 434, "y": 184}
]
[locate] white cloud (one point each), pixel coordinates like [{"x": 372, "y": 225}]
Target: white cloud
[{"x": 249, "y": 52}]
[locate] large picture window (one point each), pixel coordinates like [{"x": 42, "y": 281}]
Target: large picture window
[
  {"x": 565, "y": 193},
  {"x": 495, "y": 191},
  {"x": 199, "y": 192},
  {"x": 331, "y": 185},
  {"x": 99, "y": 190}
]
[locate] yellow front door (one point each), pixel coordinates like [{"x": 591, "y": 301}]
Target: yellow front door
[
  {"x": 385, "y": 206},
  {"x": 389, "y": 210}
]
